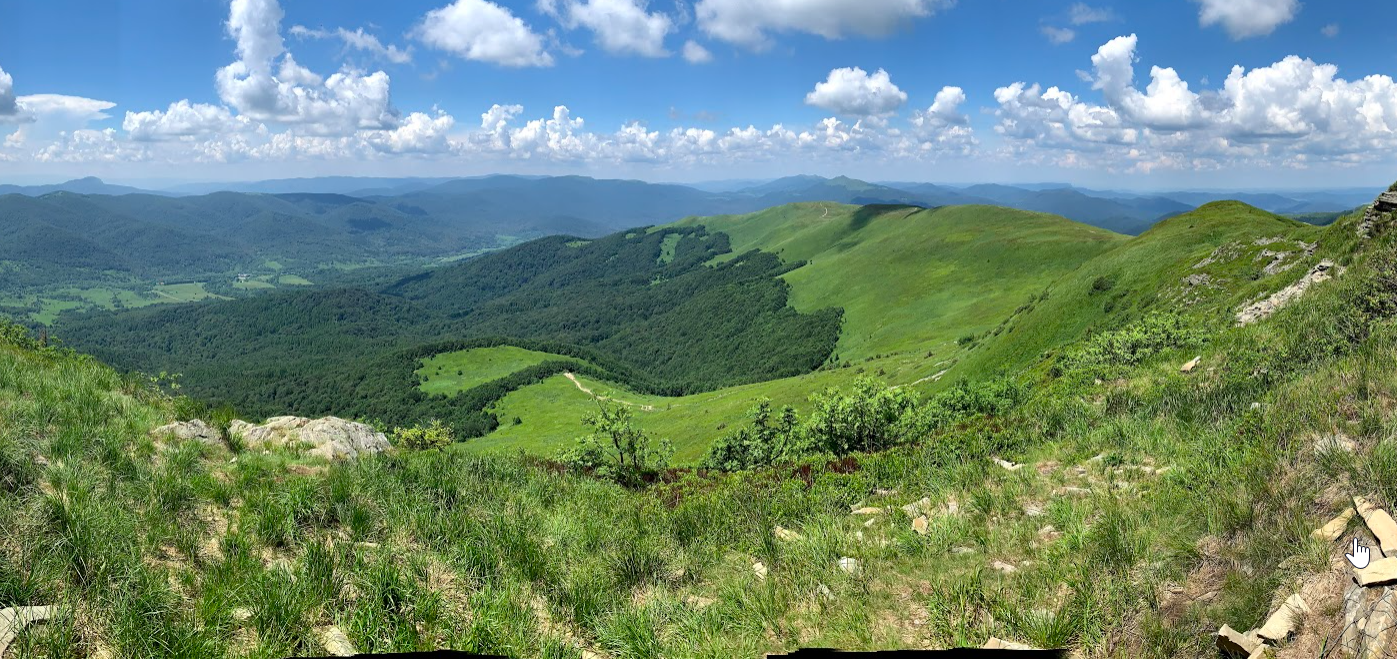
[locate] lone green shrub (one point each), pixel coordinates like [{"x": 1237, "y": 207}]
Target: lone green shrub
[
  {"x": 617, "y": 450},
  {"x": 437, "y": 435},
  {"x": 766, "y": 442},
  {"x": 872, "y": 417},
  {"x": 1130, "y": 345}
]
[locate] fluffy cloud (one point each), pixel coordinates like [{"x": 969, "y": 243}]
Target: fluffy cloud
[
  {"x": 90, "y": 145},
  {"x": 944, "y": 111},
  {"x": 1331, "y": 30},
  {"x": 1082, "y": 14},
  {"x": 1247, "y": 18},
  {"x": 620, "y": 26},
  {"x": 182, "y": 120},
  {"x": 419, "y": 133},
  {"x": 1055, "y": 118},
  {"x": 749, "y": 22},
  {"x": 1293, "y": 113},
  {"x": 695, "y": 53},
  {"x": 483, "y": 31},
  {"x": 358, "y": 40},
  {"x": 346, "y": 101},
  {"x": 8, "y": 107},
  {"x": 1167, "y": 103},
  {"x": 853, "y": 92},
  {"x": 1058, "y": 35}
]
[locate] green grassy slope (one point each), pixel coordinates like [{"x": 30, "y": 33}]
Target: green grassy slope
[
  {"x": 452, "y": 372},
  {"x": 1149, "y": 272},
  {"x": 909, "y": 278},
  {"x": 910, "y": 282},
  {"x": 1197, "y": 513}
]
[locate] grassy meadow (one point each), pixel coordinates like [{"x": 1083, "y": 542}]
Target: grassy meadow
[
  {"x": 1142, "y": 508},
  {"x": 452, "y": 372},
  {"x": 1188, "y": 508}
]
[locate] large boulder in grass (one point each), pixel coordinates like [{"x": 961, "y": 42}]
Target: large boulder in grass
[
  {"x": 331, "y": 437},
  {"x": 187, "y": 430}
]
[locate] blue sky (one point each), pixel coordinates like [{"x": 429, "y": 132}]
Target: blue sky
[{"x": 692, "y": 90}]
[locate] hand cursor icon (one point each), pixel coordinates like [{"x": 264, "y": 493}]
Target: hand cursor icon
[{"x": 1360, "y": 555}]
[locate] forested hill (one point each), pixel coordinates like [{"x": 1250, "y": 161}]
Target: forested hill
[{"x": 644, "y": 301}]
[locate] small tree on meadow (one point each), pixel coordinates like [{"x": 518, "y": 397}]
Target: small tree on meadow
[{"x": 616, "y": 448}]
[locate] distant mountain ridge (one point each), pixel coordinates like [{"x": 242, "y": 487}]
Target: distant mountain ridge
[{"x": 540, "y": 205}]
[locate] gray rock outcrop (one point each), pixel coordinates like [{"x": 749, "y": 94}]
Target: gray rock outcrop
[
  {"x": 1323, "y": 271},
  {"x": 331, "y": 437},
  {"x": 187, "y": 430},
  {"x": 1381, "y": 212}
]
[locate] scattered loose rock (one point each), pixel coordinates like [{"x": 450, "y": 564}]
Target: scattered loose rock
[
  {"x": 14, "y": 620},
  {"x": 698, "y": 602},
  {"x": 330, "y": 437},
  {"x": 868, "y": 510},
  {"x": 1335, "y": 442},
  {"x": 1192, "y": 364},
  {"x": 335, "y": 642},
  {"x": 1335, "y": 527},
  {"x": 1034, "y": 509},
  {"x": 760, "y": 569},
  {"x": 1380, "y": 523},
  {"x": 1004, "y": 567},
  {"x": 786, "y": 534},
  {"x": 961, "y": 551},
  {"x": 186, "y": 430},
  {"x": 1282, "y": 623},
  {"x": 826, "y": 593},
  {"x": 1379, "y": 572},
  {"x": 1195, "y": 280},
  {"x": 1010, "y": 466},
  {"x": 999, "y": 644},
  {"x": 919, "y": 507},
  {"x": 850, "y": 565},
  {"x": 1236, "y": 643},
  {"x": 920, "y": 525},
  {"x": 885, "y": 493},
  {"x": 242, "y": 614}
]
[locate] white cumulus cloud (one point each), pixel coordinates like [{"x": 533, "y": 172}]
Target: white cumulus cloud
[
  {"x": 183, "y": 119},
  {"x": 1294, "y": 113},
  {"x": 418, "y": 133},
  {"x": 8, "y": 107},
  {"x": 750, "y": 22},
  {"x": 695, "y": 53},
  {"x": 620, "y": 26},
  {"x": 345, "y": 101},
  {"x": 1167, "y": 103},
  {"x": 483, "y": 31},
  {"x": 1244, "y": 19},
  {"x": 853, "y": 92}
]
